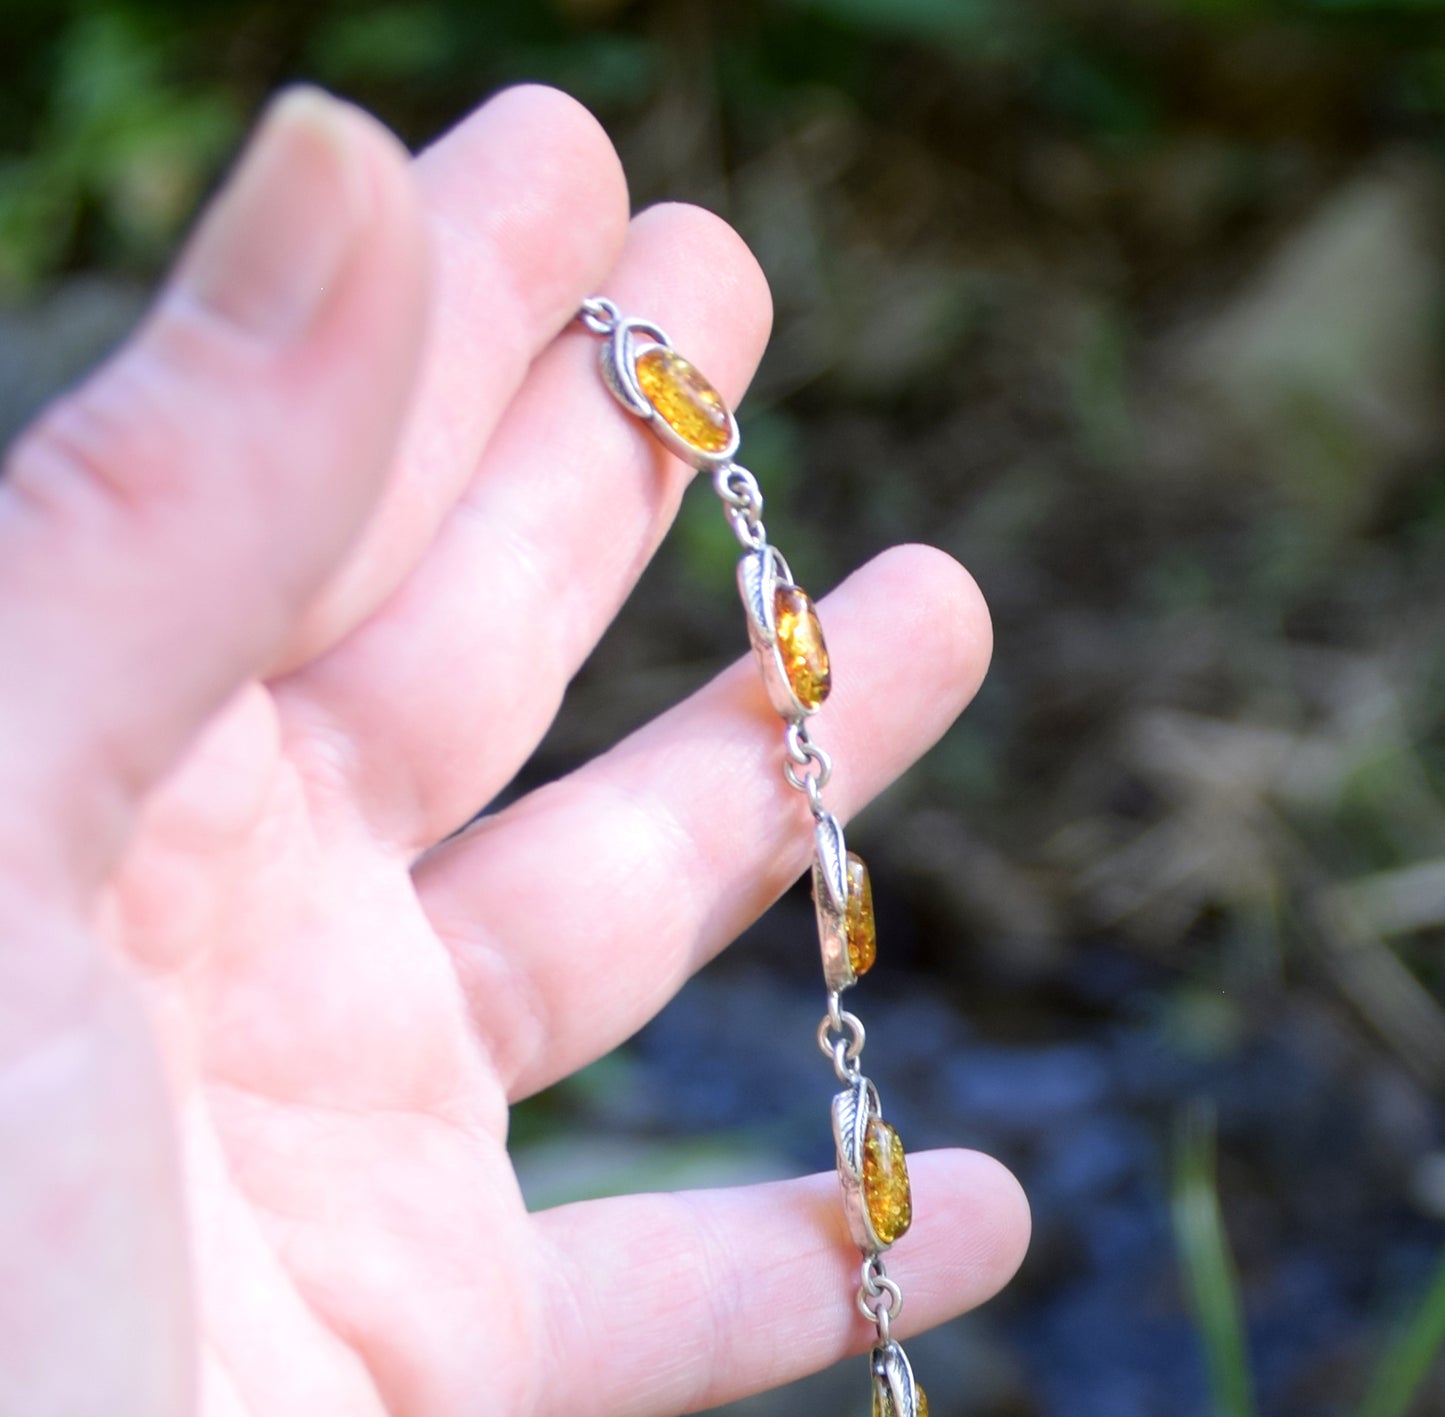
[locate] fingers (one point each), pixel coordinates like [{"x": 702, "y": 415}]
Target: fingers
[
  {"x": 445, "y": 692},
  {"x": 612, "y": 886},
  {"x": 162, "y": 526},
  {"x": 526, "y": 211},
  {"x": 727, "y": 1293}
]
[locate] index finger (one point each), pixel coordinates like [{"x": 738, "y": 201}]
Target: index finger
[{"x": 527, "y": 210}]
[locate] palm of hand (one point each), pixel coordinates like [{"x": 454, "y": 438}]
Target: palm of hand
[
  {"x": 344, "y": 1127},
  {"x": 342, "y": 1015}
]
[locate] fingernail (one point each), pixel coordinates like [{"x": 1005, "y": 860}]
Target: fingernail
[{"x": 269, "y": 250}]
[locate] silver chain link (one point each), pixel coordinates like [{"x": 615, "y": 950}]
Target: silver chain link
[
  {"x": 843, "y": 1042},
  {"x": 742, "y": 500},
  {"x": 808, "y": 768},
  {"x": 600, "y": 315},
  {"x": 879, "y": 1298}
]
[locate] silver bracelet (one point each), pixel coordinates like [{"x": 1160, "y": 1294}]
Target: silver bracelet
[{"x": 688, "y": 416}]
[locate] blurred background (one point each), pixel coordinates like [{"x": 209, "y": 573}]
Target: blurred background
[{"x": 1138, "y": 308}]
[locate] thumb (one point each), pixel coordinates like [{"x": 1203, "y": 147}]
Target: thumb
[
  {"x": 162, "y": 526},
  {"x": 160, "y": 529}
]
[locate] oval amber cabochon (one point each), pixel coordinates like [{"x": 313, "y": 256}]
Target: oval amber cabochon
[
  {"x": 800, "y": 643},
  {"x": 860, "y": 929},
  {"x": 684, "y": 399},
  {"x": 886, "y": 1191}
]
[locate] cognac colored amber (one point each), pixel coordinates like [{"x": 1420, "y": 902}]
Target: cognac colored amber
[
  {"x": 686, "y": 402},
  {"x": 858, "y": 926},
  {"x": 886, "y": 1191},
  {"x": 800, "y": 640}
]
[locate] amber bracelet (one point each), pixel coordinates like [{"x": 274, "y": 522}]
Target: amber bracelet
[{"x": 691, "y": 419}]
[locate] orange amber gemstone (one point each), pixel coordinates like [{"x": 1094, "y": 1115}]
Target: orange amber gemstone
[
  {"x": 800, "y": 640},
  {"x": 886, "y": 1191},
  {"x": 858, "y": 926},
  {"x": 687, "y": 403}
]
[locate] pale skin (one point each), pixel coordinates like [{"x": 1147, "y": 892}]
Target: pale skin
[{"x": 289, "y": 589}]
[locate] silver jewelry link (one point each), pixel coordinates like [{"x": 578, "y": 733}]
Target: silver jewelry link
[
  {"x": 874, "y": 1286},
  {"x": 739, "y": 489},
  {"x": 743, "y": 501},
  {"x": 799, "y": 742},
  {"x": 843, "y": 1050},
  {"x": 884, "y": 1322},
  {"x": 599, "y": 314},
  {"x": 750, "y": 534},
  {"x": 803, "y": 752}
]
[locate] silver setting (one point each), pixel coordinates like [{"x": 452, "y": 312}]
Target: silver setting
[
  {"x": 893, "y": 1381},
  {"x": 853, "y": 1110},
  {"x": 830, "y": 898},
  {"x": 761, "y": 574},
  {"x": 618, "y": 358},
  {"x": 757, "y": 583}
]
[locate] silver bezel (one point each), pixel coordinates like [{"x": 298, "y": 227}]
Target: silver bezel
[
  {"x": 830, "y": 898},
  {"x": 894, "y": 1380},
  {"x": 619, "y": 356},
  {"x": 761, "y": 574},
  {"x": 852, "y": 1112}
]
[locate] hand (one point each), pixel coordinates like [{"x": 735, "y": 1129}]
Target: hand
[{"x": 288, "y": 589}]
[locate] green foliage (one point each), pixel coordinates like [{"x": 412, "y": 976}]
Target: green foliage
[
  {"x": 1209, "y": 1269},
  {"x": 1408, "y": 1360},
  {"x": 1213, "y": 1284},
  {"x": 927, "y": 20},
  {"x": 390, "y": 43},
  {"x": 120, "y": 145}
]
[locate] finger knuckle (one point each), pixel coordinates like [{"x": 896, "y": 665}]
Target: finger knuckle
[{"x": 119, "y": 436}]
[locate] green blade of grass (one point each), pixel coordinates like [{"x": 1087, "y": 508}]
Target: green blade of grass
[
  {"x": 1407, "y": 1361},
  {"x": 1208, "y": 1266}
]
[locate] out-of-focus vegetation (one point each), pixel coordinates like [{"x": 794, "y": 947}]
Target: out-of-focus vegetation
[
  {"x": 1209, "y": 1271},
  {"x": 1135, "y": 306}
]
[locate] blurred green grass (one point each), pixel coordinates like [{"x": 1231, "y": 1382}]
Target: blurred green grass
[{"x": 1209, "y": 1271}]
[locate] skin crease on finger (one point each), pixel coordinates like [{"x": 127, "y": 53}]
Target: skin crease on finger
[{"x": 358, "y": 1241}]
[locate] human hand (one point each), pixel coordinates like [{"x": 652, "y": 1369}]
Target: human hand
[{"x": 288, "y": 589}]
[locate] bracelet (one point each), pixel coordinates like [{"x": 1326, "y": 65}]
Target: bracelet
[{"x": 688, "y": 416}]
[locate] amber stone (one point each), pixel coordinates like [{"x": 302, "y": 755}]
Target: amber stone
[
  {"x": 858, "y": 926},
  {"x": 800, "y": 641},
  {"x": 886, "y": 1191},
  {"x": 687, "y": 403},
  {"x": 883, "y": 1404}
]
